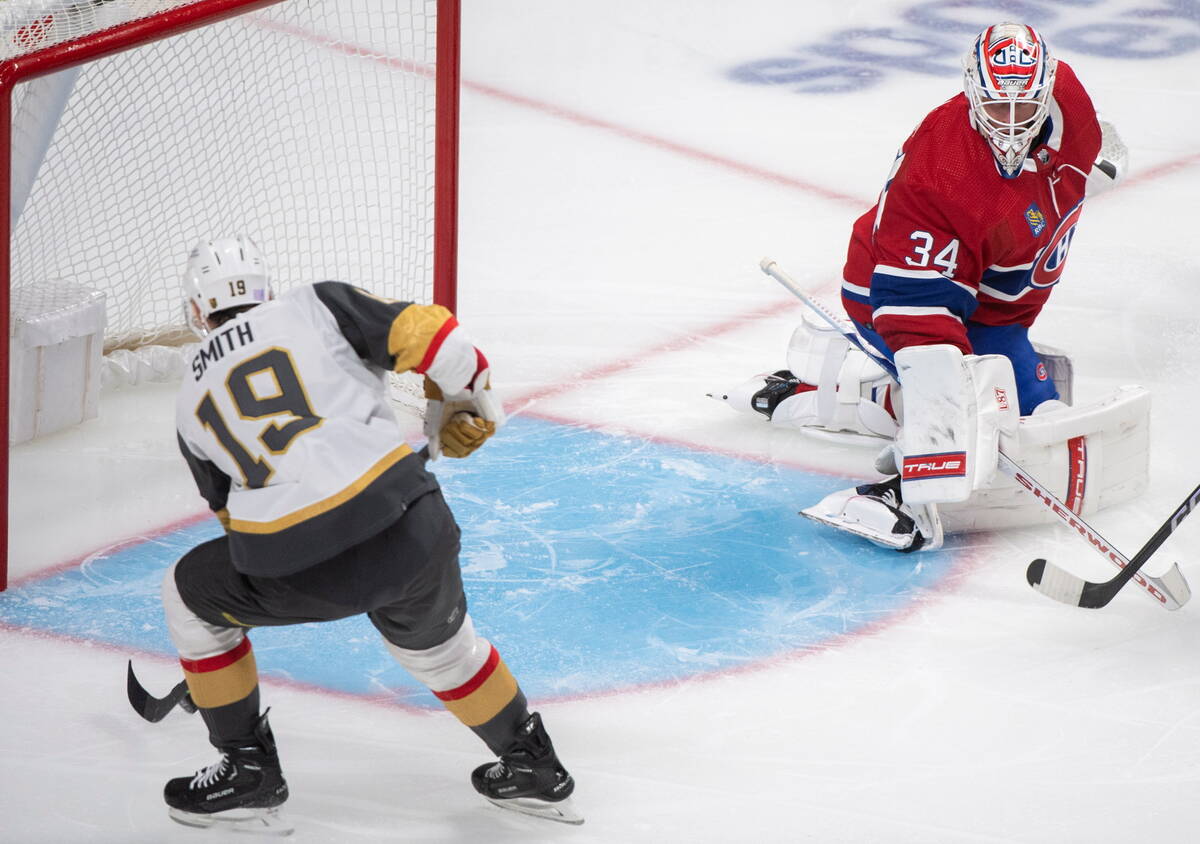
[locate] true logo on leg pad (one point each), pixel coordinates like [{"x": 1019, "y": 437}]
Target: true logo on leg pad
[{"x": 952, "y": 464}]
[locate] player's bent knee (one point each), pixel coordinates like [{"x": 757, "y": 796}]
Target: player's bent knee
[
  {"x": 448, "y": 665},
  {"x": 194, "y": 637}
]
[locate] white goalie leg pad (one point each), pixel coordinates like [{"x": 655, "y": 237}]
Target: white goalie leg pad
[
  {"x": 852, "y": 392},
  {"x": 956, "y": 409},
  {"x": 851, "y": 388},
  {"x": 448, "y": 665},
  {"x": 815, "y": 355},
  {"x": 852, "y": 395},
  {"x": 1091, "y": 456},
  {"x": 998, "y": 413},
  {"x": 194, "y": 637}
]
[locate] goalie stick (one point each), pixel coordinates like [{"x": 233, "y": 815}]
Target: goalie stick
[
  {"x": 152, "y": 708},
  {"x": 1170, "y": 590},
  {"x": 1061, "y": 585}
]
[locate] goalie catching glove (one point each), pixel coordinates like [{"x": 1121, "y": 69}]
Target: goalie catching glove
[{"x": 457, "y": 425}]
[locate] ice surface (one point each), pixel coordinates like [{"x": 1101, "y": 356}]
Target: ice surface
[{"x": 620, "y": 183}]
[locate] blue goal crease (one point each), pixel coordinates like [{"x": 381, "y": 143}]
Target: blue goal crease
[{"x": 593, "y": 562}]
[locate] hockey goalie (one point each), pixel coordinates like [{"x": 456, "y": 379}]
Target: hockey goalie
[{"x": 943, "y": 280}]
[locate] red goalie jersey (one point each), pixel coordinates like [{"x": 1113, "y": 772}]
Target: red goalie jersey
[{"x": 952, "y": 241}]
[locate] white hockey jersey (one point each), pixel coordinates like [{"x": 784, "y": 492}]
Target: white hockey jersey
[{"x": 284, "y": 423}]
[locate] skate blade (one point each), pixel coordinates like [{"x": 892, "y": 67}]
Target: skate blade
[
  {"x": 896, "y": 542},
  {"x": 563, "y": 811},
  {"x": 249, "y": 821}
]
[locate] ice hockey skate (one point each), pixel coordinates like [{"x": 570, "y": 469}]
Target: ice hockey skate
[
  {"x": 242, "y": 790},
  {"x": 529, "y": 778},
  {"x": 877, "y": 513}
]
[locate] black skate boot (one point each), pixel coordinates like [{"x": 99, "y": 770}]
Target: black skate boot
[
  {"x": 242, "y": 789},
  {"x": 887, "y": 493},
  {"x": 529, "y": 778},
  {"x": 777, "y": 387}
]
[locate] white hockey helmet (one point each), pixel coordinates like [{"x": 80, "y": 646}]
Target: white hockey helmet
[
  {"x": 225, "y": 273},
  {"x": 1008, "y": 77}
]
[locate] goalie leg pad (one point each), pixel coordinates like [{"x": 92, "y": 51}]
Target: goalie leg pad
[
  {"x": 1091, "y": 456},
  {"x": 828, "y": 385},
  {"x": 957, "y": 409}
]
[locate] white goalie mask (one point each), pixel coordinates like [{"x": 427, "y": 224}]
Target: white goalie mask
[
  {"x": 221, "y": 274},
  {"x": 1008, "y": 77}
]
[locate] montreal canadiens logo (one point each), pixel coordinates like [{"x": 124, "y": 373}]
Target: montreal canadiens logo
[{"x": 1048, "y": 267}]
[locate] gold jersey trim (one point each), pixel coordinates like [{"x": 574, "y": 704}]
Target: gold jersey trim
[{"x": 325, "y": 505}]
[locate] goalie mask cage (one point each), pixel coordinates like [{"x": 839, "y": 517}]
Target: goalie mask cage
[{"x": 324, "y": 129}]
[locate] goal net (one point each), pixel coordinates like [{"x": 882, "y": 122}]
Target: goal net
[{"x": 323, "y": 129}]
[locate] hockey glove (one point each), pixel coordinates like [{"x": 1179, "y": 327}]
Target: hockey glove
[{"x": 457, "y": 425}]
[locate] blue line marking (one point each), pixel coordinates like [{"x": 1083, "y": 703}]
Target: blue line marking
[{"x": 593, "y": 562}]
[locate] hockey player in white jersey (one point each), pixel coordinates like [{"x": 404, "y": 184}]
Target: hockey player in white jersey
[{"x": 327, "y": 514}]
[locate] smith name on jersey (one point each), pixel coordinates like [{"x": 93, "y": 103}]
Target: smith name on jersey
[
  {"x": 284, "y": 423},
  {"x": 952, "y": 240}
]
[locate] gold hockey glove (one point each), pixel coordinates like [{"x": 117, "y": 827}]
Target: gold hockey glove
[{"x": 459, "y": 425}]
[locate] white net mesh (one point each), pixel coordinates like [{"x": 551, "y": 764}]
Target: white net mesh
[
  {"x": 29, "y": 25},
  {"x": 308, "y": 126}
]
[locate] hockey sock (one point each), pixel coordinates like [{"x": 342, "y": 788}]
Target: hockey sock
[
  {"x": 490, "y": 703},
  {"x": 232, "y": 725},
  {"x": 225, "y": 690}
]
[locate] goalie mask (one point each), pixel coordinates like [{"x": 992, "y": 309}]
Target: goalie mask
[
  {"x": 1008, "y": 77},
  {"x": 222, "y": 274}
]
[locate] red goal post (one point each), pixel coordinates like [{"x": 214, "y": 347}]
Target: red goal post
[{"x": 327, "y": 130}]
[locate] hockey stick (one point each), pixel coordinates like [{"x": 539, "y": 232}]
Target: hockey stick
[
  {"x": 152, "y": 708},
  {"x": 1171, "y": 590},
  {"x": 1063, "y": 586}
]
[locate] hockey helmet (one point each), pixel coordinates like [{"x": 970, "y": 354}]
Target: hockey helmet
[
  {"x": 1008, "y": 77},
  {"x": 221, "y": 274}
]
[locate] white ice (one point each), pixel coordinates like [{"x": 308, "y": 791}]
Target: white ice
[{"x": 618, "y": 191}]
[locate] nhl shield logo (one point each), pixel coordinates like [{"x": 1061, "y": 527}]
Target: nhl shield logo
[{"x": 1035, "y": 218}]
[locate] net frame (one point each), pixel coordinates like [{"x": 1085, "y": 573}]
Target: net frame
[{"x": 54, "y": 55}]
